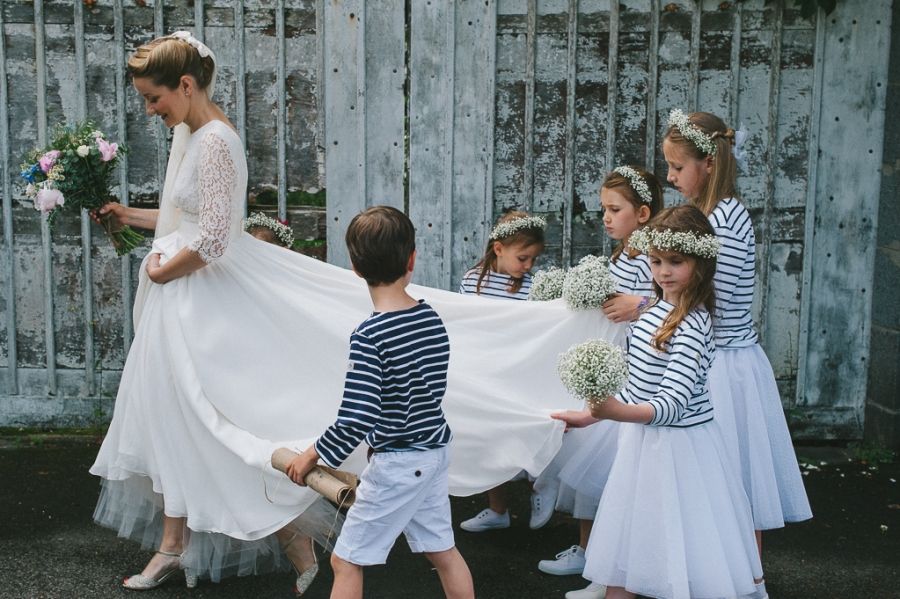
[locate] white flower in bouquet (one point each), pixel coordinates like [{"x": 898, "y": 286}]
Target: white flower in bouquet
[
  {"x": 83, "y": 151},
  {"x": 547, "y": 284},
  {"x": 588, "y": 284},
  {"x": 593, "y": 370}
]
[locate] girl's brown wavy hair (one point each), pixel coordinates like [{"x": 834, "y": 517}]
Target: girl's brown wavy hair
[{"x": 700, "y": 292}]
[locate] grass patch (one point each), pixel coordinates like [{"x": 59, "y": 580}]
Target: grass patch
[{"x": 298, "y": 197}]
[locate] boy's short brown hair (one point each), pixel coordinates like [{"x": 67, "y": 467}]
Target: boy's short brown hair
[{"x": 380, "y": 241}]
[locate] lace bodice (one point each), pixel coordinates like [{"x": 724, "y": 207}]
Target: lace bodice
[{"x": 210, "y": 188}]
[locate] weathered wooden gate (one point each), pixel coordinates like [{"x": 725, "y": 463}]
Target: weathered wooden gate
[{"x": 457, "y": 110}]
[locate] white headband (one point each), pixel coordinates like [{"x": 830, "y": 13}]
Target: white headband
[{"x": 187, "y": 36}]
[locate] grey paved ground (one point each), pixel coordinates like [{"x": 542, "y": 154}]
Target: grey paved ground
[{"x": 50, "y": 548}]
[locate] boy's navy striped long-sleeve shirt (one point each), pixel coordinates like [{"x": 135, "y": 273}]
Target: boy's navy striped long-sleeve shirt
[
  {"x": 674, "y": 381},
  {"x": 735, "y": 274},
  {"x": 394, "y": 386}
]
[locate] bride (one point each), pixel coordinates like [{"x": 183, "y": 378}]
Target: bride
[{"x": 240, "y": 348}]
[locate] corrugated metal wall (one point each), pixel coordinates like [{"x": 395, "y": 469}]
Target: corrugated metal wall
[{"x": 510, "y": 104}]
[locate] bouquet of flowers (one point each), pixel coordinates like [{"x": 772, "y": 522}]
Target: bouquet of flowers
[
  {"x": 74, "y": 172},
  {"x": 593, "y": 370},
  {"x": 588, "y": 284},
  {"x": 547, "y": 284}
]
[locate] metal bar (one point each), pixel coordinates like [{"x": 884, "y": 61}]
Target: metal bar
[
  {"x": 280, "y": 111},
  {"x": 652, "y": 85},
  {"x": 491, "y": 33},
  {"x": 122, "y": 133},
  {"x": 736, "y": 39},
  {"x": 47, "y": 250},
  {"x": 12, "y": 369},
  {"x": 361, "y": 171},
  {"x": 771, "y": 156},
  {"x": 694, "y": 90},
  {"x": 810, "y": 216},
  {"x": 528, "y": 150},
  {"x": 612, "y": 91},
  {"x": 450, "y": 91},
  {"x": 571, "y": 81},
  {"x": 240, "y": 91},
  {"x": 87, "y": 274}
]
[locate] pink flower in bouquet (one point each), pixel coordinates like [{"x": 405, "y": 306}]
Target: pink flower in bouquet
[
  {"x": 48, "y": 160},
  {"x": 47, "y": 199},
  {"x": 107, "y": 150}
]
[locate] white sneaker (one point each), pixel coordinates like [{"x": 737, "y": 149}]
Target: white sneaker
[
  {"x": 570, "y": 561},
  {"x": 487, "y": 519},
  {"x": 543, "y": 503},
  {"x": 591, "y": 591}
]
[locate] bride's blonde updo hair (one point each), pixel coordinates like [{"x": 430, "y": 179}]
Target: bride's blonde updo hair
[{"x": 166, "y": 60}]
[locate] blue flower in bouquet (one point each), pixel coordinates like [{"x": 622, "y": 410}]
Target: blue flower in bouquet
[{"x": 29, "y": 173}]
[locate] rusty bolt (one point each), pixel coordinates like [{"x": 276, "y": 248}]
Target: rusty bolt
[
  {"x": 671, "y": 7},
  {"x": 724, "y": 5}
]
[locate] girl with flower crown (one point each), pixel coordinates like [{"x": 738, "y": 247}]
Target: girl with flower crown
[
  {"x": 630, "y": 197},
  {"x": 702, "y": 154},
  {"x": 504, "y": 272},
  {"x": 674, "y": 521},
  {"x": 266, "y": 228}
]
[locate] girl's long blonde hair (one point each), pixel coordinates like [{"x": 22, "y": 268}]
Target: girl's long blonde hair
[
  {"x": 701, "y": 291},
  {"x": 526, "y": 237},
  {"x": 622, "y": 185},
  {"x": 722, "y": 180}
]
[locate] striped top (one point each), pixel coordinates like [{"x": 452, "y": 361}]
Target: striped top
[
  {"x": 674, "y": 381},
  {"x": 494, "y": 285},
  {"x": 395, "y": 382},
  {"x": 735, "y": 274},
  {"x": 632, "y": 275}
]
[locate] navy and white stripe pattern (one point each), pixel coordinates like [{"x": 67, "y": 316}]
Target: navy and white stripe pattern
[
  {"x": 394, "y": 386},
  {"x": 494, "y": 285},
  {"x": 735, "y": 274},
  {"x": 674, "y": 381},
  {"x": 632, "y": 275}
]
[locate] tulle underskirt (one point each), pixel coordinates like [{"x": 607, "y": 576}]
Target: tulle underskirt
[{"x": 748, "y": 407}]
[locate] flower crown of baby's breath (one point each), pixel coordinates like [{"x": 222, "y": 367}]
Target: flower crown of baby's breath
[
  {"x": 637, "y": 182},
  {"x": 509, "y": 228},
  {"x": 281, "y": 230},
  {"x": 684, "y": 242},
  {"x": 693, "y": 133}
]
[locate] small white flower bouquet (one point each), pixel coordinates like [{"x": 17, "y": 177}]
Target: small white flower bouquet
[
  {"x": 547, "y": 284},
  {"x": 588, "y": 284},
  {"x": 594, "y": 370}
]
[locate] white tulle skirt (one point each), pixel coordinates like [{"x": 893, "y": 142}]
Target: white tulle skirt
[
  {"x": 586, "y": 471},
  {"x": 673, "y": 522},
  {"x": 748, "y": 407},
  {"x": 249, "y": 354}
]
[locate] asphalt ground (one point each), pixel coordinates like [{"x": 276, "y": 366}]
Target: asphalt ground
[{"x": 49, "y": 546}]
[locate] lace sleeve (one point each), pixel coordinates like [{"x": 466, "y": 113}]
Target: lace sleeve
[{"x": 216, "y": 179}]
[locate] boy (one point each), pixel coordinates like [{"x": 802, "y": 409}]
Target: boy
[{"x": 392, "y": 399}]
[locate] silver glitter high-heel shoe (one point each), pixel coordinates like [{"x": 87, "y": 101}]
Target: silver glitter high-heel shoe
[
  {"x": 305, "y": 578},
  {"x": 139, "y": 582}
]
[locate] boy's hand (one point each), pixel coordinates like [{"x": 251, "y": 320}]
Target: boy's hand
[
  {"x": 300, "y": 466},
  {"x": 574, "y": 418}
]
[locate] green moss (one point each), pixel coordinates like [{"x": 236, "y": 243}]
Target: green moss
[{"x": 298, "y": 197}]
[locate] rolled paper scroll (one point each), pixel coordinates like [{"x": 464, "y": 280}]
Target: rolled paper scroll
[{"x": 336, "y": 486}]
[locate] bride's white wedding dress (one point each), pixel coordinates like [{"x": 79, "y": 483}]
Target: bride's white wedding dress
[{"x": 249, "y": 353}]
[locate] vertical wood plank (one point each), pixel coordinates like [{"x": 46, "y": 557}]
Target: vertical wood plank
[
  {"x": 124, "y": 196},
  {"x": 694, "y": 89},
  {"x": 652, "y": 86},
  {"x": 12, "y": 368},
  {"x": 281, "y": 110},
  {"x": 320, "y": 91},
  {"x": 612, "y": 92},
  {"x": 342, "y": 122},
  {"x": 87, "y": 271},
  {"x": 46, "y": 247},
  {"x": 162, "y": 146},
  {"x": 199, "y": 30},
  {"x": 843, "y": 234},
  {"x": 734, "y": 90},
  {"x": 490, "y": 37},
  {"x": 528, "y": 117},
  {"x": 240, "y": 77},
  {"x": 571, "y": 81}
]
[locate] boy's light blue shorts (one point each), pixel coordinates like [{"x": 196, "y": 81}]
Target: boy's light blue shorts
[{"x": 402, "y": 491}]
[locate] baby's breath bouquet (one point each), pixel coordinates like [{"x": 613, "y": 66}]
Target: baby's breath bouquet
[
  {"x": 593, "y": 370},
  {"x": 588, "y": 284},
  {"x": 73, "y": 172},
  {"x": 547, "y": 284}
]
